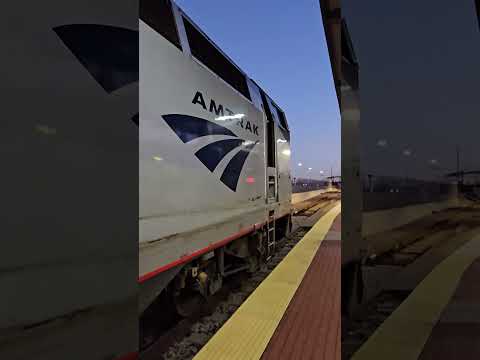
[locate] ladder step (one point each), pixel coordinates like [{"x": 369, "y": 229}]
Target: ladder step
[{"x": 271, "y": 231}]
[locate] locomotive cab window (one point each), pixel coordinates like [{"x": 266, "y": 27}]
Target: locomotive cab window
[
  {"x": 274, "y": 111},
  {"x": 203, "y": 50},
  {"x": 158, "y": 15},
  {"x": 282, "y": 121},
  {"x": 281, "y": 117}
]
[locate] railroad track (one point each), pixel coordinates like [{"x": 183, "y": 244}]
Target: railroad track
[
  {"x": 188, "y": 335},
  {"x": 311, "y": 206}
]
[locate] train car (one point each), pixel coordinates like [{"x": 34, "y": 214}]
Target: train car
[{"x": 214, "y": 171}]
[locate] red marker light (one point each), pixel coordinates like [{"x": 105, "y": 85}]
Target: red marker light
[{"x": 250, "y": 179}]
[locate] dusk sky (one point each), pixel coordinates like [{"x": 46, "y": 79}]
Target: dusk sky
[
  {"x": 281, "y": 45},
  {"x": 418, "y": 85}
]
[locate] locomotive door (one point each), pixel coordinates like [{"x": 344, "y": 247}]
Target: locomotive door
[{"x": 271, "y": 159}]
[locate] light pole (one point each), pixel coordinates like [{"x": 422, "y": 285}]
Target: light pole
[{"x": 407, "y": 153}]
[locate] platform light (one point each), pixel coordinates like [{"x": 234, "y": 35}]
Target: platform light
[
  {"x": 286, "y": 152},
  {"x": 300, "y": 164},
  {"x": 157, "y": 158},
  {"x": 230, "y": 117},
  {"x": 382, "y": 143},
  {"x": 309, "y": 169},
  {"x": 321, "y": 171}
]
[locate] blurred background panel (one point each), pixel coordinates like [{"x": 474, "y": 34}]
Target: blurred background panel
[
  {"x": 419, "y": 171},
  {"x": 70, "y": 180}
]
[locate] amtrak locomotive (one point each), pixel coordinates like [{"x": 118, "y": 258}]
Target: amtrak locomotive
[{"x": 215, "y": 183}]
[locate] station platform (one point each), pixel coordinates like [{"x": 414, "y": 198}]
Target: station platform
[
  {"x": 440, "y": 319},
  {"x": 295, "y": 312}
]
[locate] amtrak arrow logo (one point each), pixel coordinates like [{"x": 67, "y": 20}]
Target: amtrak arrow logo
[{"x": 189, "y": 128}]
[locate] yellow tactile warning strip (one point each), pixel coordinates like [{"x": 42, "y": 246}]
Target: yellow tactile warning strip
[
  {"x": 404, "y": 334},
  {"x": 247, "y": 333}
]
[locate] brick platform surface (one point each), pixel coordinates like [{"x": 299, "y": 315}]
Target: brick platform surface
[{"x": 310, "y": 328}]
